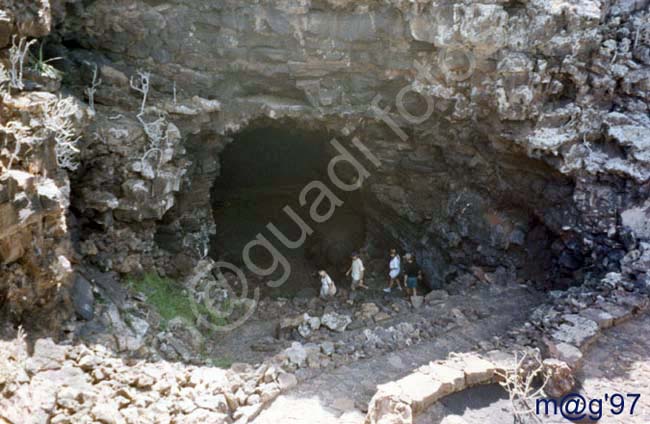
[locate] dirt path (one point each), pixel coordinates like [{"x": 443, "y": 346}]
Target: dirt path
[
  {"x": 619, "y": 362},
  {"x": 331, "y": 397}
]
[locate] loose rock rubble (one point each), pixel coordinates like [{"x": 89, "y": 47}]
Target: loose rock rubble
[
  {"x": 78, "y": 384},
  {"x": 563, "y": 329}
]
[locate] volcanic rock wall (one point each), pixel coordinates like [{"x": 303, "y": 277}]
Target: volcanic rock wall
[
  {"x": 37, "y": 126},
  {"x": 512, "y": 135}
]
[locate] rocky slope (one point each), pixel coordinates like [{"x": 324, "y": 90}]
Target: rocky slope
[{"x": 39, "y": 128}]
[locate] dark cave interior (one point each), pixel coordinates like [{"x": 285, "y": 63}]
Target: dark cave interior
[{"x": 263, "y": 171}]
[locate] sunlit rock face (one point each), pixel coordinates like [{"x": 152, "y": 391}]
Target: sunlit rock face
[{"x": 508, "y": 135}]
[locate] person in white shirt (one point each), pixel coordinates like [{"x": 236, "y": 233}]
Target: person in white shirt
[
  {"x": 394, "y": 269},
  {"x": 327, "y": 287},
  {"x": 357, "y": 271}
]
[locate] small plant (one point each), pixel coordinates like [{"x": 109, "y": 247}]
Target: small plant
[
  {"x": 522, "y": 382},
  {"x": 18, "y": 134},
  {"x": 90, "y": 91},
  {"x": 142, "y": 86},
  {"x": 224, "y": 363},
  {"x": 17, "y": 54},
  {"x": 156, "y": 131},
  {"x": 42, "y": 66},
  {"x": 57, "y": 115}
]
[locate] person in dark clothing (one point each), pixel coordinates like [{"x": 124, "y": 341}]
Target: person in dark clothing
[{"x": 412, "y": 273}]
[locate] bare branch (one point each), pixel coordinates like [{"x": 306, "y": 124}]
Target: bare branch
[
  {"x": 57, "y": 119},
  {"x": 90, "y": 91},
  {"x": 519, "y": 382},
  {"x": 17, "y": 54},
  {"x": 142, "y": 86}
]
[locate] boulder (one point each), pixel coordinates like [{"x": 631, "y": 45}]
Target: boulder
[
  {"x": 422, "y": 390},
  {"x": 327, "y": 348},
  {"x": 287, "y": 381},
  {"x": 417, "y": 301},
  {"x": 435, "y": 296},
  {"x": 565, "y": 352},
  {"x": 478, "y": 370},
  {"x": 296, "y": 354},
  {"x": 309, "y": 325},
  {"x": 335, "y": 321},
  {"x": 452, "y": 380},
  {"x": 602, "y": 318},
  {"x": 47, "y": 356},
  {"x": 107, "y": 413},
  {"x": 576, "y": 330},
  {"x": 83, "y": 298},
  {"x": 389, "y": 406},
  {"x": 367, "y": 311},
  {"x": 381, "y": 316},
  {"x": 561, "y": 379},
  {"x": 619, "y": 313}
]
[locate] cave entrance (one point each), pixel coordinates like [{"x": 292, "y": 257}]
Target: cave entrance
[{"x": 264, "y": 170}]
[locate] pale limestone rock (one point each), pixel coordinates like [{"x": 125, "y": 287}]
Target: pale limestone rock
[
  {"x": 577, "y": 330},
  {"x": 565, "y": 352},
  {"x": 389, "y": 406},
  {"x": 287, "y": 381},
  {"x": 335, "y": 321},
  {"x": 477, "y": 370},
  {"x": 600, "y": 317},
  {"x": 107, "y": 413}
]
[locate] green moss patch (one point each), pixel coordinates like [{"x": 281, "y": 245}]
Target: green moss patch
[{"x": 170, "y": 299}]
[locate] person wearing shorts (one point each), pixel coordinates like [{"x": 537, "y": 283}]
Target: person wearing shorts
[
  {"x": 356, "y": 271},
  {"x": 394, "y": 269},
  {"x": 412, "y": 273}
]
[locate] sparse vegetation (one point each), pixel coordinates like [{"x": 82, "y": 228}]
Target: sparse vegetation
[
  {"x": 17, "y": 54},
  {"x": 42, "y": 66},
  {"x": 525, "y": 383},
  {"x": 90, "y": 90},
  {"x": 18, "y": 139},
  {"x": 220, "y": 362},
  {"x": 171, "y": 300},
  {"x": 17, "y": 135},
  {"x": 155, "y": 130},
  {"x": 56, "y": 118},
  {"x": 142, "y": 86}
]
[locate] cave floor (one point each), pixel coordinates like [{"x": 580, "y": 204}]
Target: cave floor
[
  {"x": 338, "y": 395},
  {"x": 256, "y": 339}
]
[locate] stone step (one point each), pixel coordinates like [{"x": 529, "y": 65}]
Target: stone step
[{"x": 413, "y": 394}]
